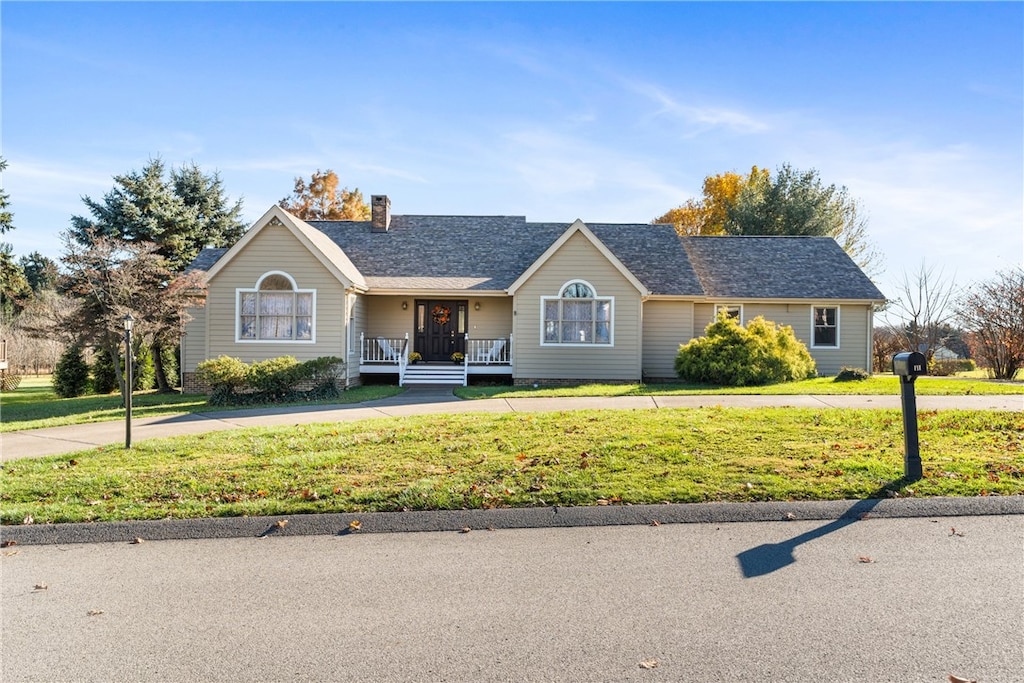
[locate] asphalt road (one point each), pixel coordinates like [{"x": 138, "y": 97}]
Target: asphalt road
[{"x": 887, "y": 599}]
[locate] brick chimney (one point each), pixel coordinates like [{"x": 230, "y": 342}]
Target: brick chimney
[{"x": 380, "y": 213}]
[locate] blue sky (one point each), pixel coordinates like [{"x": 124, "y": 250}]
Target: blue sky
[{"x": 601, "y": 111}]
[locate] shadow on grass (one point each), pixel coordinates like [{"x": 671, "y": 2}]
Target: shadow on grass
[{"x": 771, "y": 557}]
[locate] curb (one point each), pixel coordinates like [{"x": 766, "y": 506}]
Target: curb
[{"x": 336, "y": 524}]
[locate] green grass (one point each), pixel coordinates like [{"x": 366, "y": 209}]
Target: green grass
[
  {"x": 516, "y": 460},
  {"x": 876, "y": 385},
  {"x": 34, "y": 405}
]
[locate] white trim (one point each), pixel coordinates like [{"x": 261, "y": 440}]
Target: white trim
[
  {"x": 595, "y": 298},
  {"x": 580, "y": 227},
  {"x": 838, "y": 327},
  {"x": 294, "y": 290}
]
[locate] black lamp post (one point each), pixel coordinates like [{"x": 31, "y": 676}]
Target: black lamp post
[{"x": 128, "y": 379}]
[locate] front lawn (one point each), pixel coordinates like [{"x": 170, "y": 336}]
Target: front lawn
[
  {"x": 520, "y": 460},
  {"x": 876, "y": 385},
  {"x": 33, "y": 405}
]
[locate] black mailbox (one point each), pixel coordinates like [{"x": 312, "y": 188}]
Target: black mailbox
[{"x": 909, "y": 364}]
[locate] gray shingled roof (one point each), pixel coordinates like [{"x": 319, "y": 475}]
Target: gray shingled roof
[
  {"x": 777, "y": 268},
  {"x": 488, "y": 253},
  {"x": 205, "y": 258}
]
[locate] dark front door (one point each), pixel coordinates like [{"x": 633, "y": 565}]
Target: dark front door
[{"x": 440, "y": 328}]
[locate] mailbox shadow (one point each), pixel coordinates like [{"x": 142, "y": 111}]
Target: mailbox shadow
[{"x": 771, "y": 557}]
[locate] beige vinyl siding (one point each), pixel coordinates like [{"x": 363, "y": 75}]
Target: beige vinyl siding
[
  {"x": 577, "y": 259},
  {"x": 358, "y": 321},
  {"x": 853, "y": 329},
  {"x": 275, "y": 249},
  {"x": 193, "y": 343},
  {"x": 385, "y": 317},
  {"x": 493, "y": 320},
  {"x": 666, "y": 325}
]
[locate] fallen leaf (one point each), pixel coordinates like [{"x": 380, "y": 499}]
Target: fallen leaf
[
  {"x": 281, "y": 523},
  {"x": 790, "y": 516},
  {"x": 465, "y": 530},
  {"x": 957, "y": 679},
  {"x": 655, "y": 522},
  {"x": 954, "y": 532},
  {"x": 40, "y": 586},
  {"x": 649, "y": 664},
  {"x": 355, "y": 525},
  {"x": 94, "y": 612},
  {"x": 7, "y": 544},
  {"x": 865, "y": 559},
  {"x": 136, "y": 541},
  {"x": 9, "y": 553},
  {"x": 602, "y": 501},
  {"x": 28, "y": 519}
]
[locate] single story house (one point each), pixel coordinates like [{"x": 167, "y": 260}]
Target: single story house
[{"x": 541, "y": 303}]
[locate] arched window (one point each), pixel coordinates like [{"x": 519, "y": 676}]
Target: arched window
[
  {"x": 577, "y": 316},
  {"x": 275, "y": 310}
]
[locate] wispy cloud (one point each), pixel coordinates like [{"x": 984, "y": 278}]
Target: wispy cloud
[{"x": 699, "y": 117}]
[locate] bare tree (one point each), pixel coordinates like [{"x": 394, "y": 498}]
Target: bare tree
[
  {"x": 110, "y": 278},
  {"x": 993, "y": 313},
  {"x": 923, "y": 310}
]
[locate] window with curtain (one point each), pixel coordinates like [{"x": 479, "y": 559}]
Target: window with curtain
[
  {"x": 577, "y": 316},
  {"x": 276, "y": 310},
  {"x": 826, "y": 326}
]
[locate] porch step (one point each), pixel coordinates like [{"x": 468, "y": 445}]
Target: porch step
[{"x": 436, "y": 374}]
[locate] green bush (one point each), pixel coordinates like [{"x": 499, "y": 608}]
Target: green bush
[
  {"x": 730, "y": 355},
  {"x": 950, "y": 366},
  {"x": 104, "y": 380},
  {"x": 71, "y": 376},
  {"x": 145, "y": 370},
  {"x": 852, "y": 375},
  {"x": 233, "y": 382},
  {"x": 224, "y": 375}
]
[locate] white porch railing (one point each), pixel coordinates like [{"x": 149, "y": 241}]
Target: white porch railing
[
  {"x": 394, "y": 351},
  {"x": 385, "y": 350},
  {"x": 496, "y": 351}
]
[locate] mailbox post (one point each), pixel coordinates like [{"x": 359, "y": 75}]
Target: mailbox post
[{"x": 908, "y": 367}]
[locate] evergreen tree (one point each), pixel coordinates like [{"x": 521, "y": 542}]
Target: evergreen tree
[{"x": 71, "y": 376}]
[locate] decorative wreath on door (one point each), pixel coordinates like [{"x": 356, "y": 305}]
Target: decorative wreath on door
[{"x": 441, "y": 315}]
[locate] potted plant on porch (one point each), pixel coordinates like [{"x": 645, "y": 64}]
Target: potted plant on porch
[
  {"x": 458, "y": 357},
  {"x": 414, "y": 358}
]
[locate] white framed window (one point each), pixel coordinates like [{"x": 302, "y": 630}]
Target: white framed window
[
  {"x": 824, "y": 327},
  {"x": 576, "y": 317},
  {"x": 734, "y": 311},
  {"x": 275, "y": 310}
]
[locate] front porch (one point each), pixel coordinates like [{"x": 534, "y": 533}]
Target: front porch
[{"x": 379, "y": 355}]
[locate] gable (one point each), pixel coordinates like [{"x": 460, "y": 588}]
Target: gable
[
  {"x": 304, "y": 237},
  {"x": 576, "y": 236}
]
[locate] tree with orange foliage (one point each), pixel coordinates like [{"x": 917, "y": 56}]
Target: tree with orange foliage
[
  {"x": 321, "y": 200},
  {"x": 709, "y": 215}
]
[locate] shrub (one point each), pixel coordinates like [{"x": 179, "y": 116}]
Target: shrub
[
  {"x": 950, "y": 366},
  {"x": 145, "y": 370},
  {"x": 71, "y": 376},
  {"x": 104, "y": 379},
  {"x": 729, "y": 354},
  {"x": 274, "y": 377},
  {"x": 277, "y": 379},
  {"x": 852, "y": 375},
  {"x": 224, "y": 376}
]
